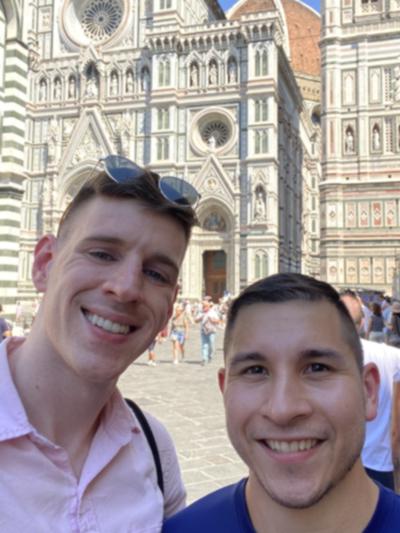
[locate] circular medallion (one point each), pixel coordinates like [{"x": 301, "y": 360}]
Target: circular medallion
[
  {"x": 100, "y": 19},
  {"x": 215, "y": 131}
]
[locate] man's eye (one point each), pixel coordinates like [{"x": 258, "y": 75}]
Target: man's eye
[
  {"x": 255, "y": 370},
  {"x": 317, "y": 367},
  {"x": 155, "y": 275},
  {"x": 102, "y": 255}
]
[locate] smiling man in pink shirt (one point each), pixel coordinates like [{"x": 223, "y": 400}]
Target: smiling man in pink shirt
[{"x": 73, "y": 456}]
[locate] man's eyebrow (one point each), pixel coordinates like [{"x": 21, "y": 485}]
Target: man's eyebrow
[
  {"x": 309, "y": 353},
  {"x": 314, "y": 353},
  {"x": 103, "y": 238},
  {"x": 246, "y": 357},
  {"x": 107, "y": 239}
]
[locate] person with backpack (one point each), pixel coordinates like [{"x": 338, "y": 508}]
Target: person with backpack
[
  {"x": 209, "y": 320},
  {"x": 73, "y": 455}
]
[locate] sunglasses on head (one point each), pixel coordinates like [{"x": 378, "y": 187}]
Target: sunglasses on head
[{"x": 176, "y": 190}]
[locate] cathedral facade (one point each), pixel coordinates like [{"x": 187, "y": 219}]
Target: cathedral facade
[
  {"x": 179, "y": 86},
  {"x": 360, "y": 189}
]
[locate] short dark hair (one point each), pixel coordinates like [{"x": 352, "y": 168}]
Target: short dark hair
[
  {"x": 143, "y": 189},
  {"x": 376, "y": 309},
  {"x": 357, "y": 316},
  {"x": 280, "y": 288}
]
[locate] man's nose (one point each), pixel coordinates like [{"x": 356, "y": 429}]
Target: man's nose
[
  {"x": 286, "y": 400},
  {"x": 126, "y": 281}
]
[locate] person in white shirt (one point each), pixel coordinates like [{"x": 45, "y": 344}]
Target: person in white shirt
[{"x": 377, "y": 454}]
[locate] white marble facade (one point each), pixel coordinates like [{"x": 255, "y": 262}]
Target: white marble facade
[
  {"x": 163, "y": 83},
  {"x": 360, "y": 188}
]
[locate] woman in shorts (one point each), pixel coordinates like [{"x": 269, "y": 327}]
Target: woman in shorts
[{"x": 179, "y": 333}]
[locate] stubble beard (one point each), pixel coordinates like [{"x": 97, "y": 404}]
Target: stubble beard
[{"x": 297, "y": 503}]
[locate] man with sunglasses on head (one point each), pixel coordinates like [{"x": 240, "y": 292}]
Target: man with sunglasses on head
[{"x": 73, "y": 456}]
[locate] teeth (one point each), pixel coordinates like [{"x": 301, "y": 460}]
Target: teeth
[
  {"x": 283, "y": 446},
  {"x": 107, "y": 325}
]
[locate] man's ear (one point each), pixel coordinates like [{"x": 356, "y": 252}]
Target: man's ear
[
  {"x": 371, "y": 381},
  {"x": 43, "y": 258},
  {"x": 221, "y": 379}
]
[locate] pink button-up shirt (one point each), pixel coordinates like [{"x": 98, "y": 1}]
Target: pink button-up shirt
[{"x": 117, "y": 490}]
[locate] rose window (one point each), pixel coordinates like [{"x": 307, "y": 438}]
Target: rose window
[
  {"x": 101, "y": 18},
  {"x": 215, "y": 132}
]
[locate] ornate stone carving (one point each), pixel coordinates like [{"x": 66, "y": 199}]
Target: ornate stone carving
[
  {"x": 101, "y": 19},
  {"x": 396, "y": 83},
  {"x": 88, "y": 149},
  {"x": 52, "y": 140}
]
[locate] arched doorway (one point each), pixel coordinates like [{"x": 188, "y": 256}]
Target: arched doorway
[{"x": 214, "y": 273}]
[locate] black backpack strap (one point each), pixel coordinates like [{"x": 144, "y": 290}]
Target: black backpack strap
[{"x": 150, "y": 439}]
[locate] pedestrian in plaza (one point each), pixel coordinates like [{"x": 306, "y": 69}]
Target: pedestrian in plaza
[
  {"x": 179, "y": 333},
  {"x": 296, "y": 396},
  {"x": 152, "y": 358},
  {"x": 378, "y": 457},
  {"x": 376, "y": 324},
  {"x": 394, "y": 330},
  {"x": 109, "y": 281},
  {"x": 386, "y": 308},
  {"x": 209, "y": 320},
  {"x": 5, "y": 329}
]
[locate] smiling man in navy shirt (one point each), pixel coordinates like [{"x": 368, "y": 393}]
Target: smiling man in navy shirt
[{"x": 297, "y": 397}]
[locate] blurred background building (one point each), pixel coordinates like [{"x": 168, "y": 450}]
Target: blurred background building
[{"x": 229, "y": 101}]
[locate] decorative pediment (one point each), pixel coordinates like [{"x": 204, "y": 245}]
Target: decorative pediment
[
  {"x": 213, "y": 182},
  {"x": 88, "y": 141},
  {"x": 194, "y": 57}
]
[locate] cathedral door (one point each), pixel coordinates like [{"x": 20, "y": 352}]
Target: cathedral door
[{"x": 214, "y": 272}]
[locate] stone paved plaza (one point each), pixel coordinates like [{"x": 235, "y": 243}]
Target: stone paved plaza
[{"x": 186, "y": 398}]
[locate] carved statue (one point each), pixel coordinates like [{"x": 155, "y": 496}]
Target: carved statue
[
  {"x": 52, "y": 139},
  {"x": 124, "y": 128},
  {"x": 72, "y": 87},
  {"x": 194, "y": 75},
  {"x": 212, "y": 142},
  {"x": 114, "y": 84},
  {"x": 232, "y": 72},
  {"x": 213, "y": 74},
  {"x": 376, "y": 139},
  {"x": 259, "y": 209},
  {"x": 33, "y": 55},
  {"x": 129, "y": 82},
  {"x": 92, "y": 89},
  {"x": 42, "y": 90},
  {"x": 349, "y": 142},
  {"x": 57, "y": 89}
]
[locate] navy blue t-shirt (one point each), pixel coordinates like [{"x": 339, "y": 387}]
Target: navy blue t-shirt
[
  {"x": 222, "y": 511},
  {"x": 225, "y": 511}
]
